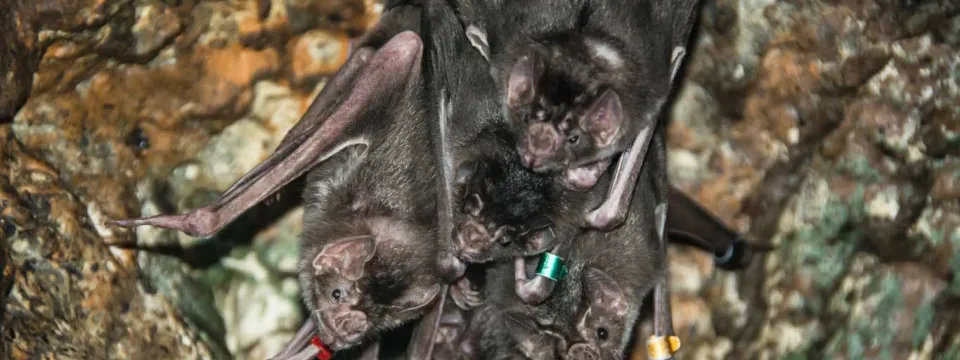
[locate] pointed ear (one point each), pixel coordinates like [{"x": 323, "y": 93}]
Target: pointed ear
[
  {"x": 346, "y": 256},
  {"x": 417, "y": 297},
  {"x": 603, "y": 293},
  {"x": 604, "y": 117},
  {"x": 520, "y": 86}
]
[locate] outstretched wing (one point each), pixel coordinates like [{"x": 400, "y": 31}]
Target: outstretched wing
[{"x": 367, "y": 76}]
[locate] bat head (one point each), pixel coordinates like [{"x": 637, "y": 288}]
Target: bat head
[
  {"x": 561, "y": 108},
  {"x": 600, "y": 325},
  {"x": 355, "y": 288},
  {"x": 500, "y": 215},
  {"x": 533, "y": 339}
]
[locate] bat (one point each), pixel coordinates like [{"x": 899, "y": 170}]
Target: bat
[
  {"x": 351, "y": 140},
  {"x": 572, "y": 74}
]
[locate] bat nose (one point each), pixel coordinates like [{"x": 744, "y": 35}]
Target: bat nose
[
  {"x": 583, "y": 352},
  {"x": 543, "y": 140},
  {"x": 472, "y": 239},
  {"x": 350, "y": 325}
]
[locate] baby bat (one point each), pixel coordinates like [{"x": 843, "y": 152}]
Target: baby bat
[
  {"x": 506, "y": 206},
  {"x": 571, "y": 74}
]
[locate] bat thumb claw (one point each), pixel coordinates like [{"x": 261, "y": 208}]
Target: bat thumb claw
[{"x": 196, "y": 223}]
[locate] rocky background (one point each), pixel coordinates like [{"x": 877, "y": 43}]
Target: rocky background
[{"x": 827, "y": 129}]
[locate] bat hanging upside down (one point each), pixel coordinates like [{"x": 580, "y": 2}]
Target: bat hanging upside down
[{"x": 380, "y": 146}]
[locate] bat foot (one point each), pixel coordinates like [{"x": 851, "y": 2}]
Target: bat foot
[
  {"x": 533, "y": 291},
  {"x": 464, "y": 295}
]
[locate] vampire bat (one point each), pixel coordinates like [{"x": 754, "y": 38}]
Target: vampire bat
[
  {"x": 369, "y": 239},
  {"x": 583, "y": 81}
]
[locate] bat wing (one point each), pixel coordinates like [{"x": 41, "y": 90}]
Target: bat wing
[{"x": 366, "y": 77}]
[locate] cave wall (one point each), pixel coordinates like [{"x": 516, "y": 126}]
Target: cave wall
[{"x": 828, "y": 130}]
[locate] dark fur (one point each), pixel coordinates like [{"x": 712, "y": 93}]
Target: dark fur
[
  {"x": 556, "y": 34},
  {"x": 385, "y": 191}
]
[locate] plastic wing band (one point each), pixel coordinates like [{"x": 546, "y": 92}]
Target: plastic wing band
[
  {"x": 662, "y": 347},
  {"x": 551, "y": 267},
  {"x": 325, "y": 353}
]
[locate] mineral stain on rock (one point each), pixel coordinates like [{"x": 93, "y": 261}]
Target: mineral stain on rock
[{"x": 827, "y": 129}]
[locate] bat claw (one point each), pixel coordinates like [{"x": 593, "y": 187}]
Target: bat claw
[
  {"x": 198, "y": 223},
  {"x": 464, "y": 296}
]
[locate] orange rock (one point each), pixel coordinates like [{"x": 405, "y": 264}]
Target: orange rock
[
  {"x": 240, "y": 65},
  {"x": 316, "y": 53}
]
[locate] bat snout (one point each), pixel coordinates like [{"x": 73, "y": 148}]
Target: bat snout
[
  {"x": 473, "y": 240},
  {"x": 543, "y": 140},
  {"x": 350, "y": 326},
  {"x": 583, "y": 352}
]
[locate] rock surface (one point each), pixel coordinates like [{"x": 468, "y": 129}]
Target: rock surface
[{"x": 828, "y": 129}]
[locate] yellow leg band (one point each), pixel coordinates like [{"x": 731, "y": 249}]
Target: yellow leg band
[{"x": 662, "y": 347}]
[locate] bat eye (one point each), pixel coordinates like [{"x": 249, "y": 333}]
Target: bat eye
[
  {"x": 336, "y": 294},
  {"x": 602, "y": 334},
  {"x": 573, "y": 139}
]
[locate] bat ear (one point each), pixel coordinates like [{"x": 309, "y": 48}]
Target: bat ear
[
  {"x": 528, "y": 334},
  {"x": 520, "y": 87},
  {"x": 603, "y": 293},
  {"x": 603, "y": 118},
  {"x": 418, "y": 297},
  {"x": 346, "y": 256}
]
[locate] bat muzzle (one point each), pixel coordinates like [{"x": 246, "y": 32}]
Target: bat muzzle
[
  {"x": 583, "y": 352},
  {"x": 344, "y": 329}
]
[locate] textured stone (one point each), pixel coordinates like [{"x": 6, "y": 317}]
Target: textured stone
[
  {"x": 72, "y": 295},
  {"x": 19, "y": 58},
  {"x": 829, "y": 129}
]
